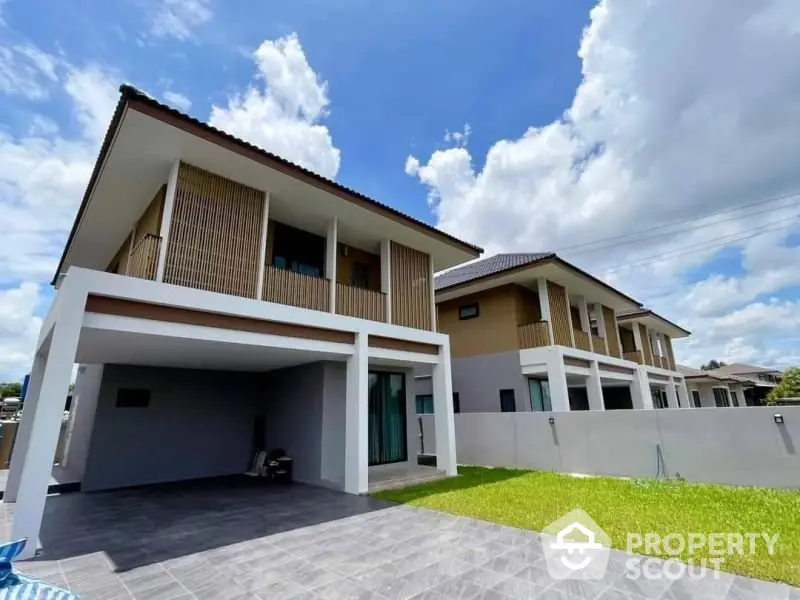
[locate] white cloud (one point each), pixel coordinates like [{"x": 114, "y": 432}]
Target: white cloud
[
  {"x": 685, "y": 109},
  {"x": 177, "y": 100},
  {"x": 26, "y": 71},
  {"x": 42, "y": 177},
  {"x": 283, "y": 114},
  {"x": 179, "y": 18}
]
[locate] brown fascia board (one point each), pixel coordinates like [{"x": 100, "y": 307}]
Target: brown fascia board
[
  {"x": 137, "y": 100},
  {"x": 650, "y": 313},
  {"x": 550, "y": 258}
]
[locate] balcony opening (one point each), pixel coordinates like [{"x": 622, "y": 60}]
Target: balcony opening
[
  {"x": 297, "y": 250},
  {"x": 626, "y": 339},
  {"x": 358, "y": 268}
]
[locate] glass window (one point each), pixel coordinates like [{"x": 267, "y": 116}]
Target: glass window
[
  {"x": 659, "y": 397},
  {"x": 456, "y": 403},
  {"x": 468, "y": 311},
  {"x": 696, "y": 399},
  {"x": 678, "y": 396},
  {"x": 507, "y": 401},
  {"x": 540, "y": 395},
  {"x": 734, "y": 398},
  {"x": 359, "y": 276},
  {"x": 424, "y": 404},
  {"x": 721, "y": 397}
]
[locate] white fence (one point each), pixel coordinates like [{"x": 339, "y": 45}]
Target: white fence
[{"x": 737, "y": 446}]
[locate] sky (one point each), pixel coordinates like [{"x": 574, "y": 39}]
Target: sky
[{"x": 652, "y": 143}]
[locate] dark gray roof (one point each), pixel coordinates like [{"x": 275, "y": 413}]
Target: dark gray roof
[
  {"x": 485, "y": 267},
  {"x": 742, "y": 369}
]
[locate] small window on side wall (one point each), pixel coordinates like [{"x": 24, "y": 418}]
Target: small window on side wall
[
  {"x": 468, "y": 311},
  {"x": 133, "y": 398},
  {"x": 456, "y": 403}
]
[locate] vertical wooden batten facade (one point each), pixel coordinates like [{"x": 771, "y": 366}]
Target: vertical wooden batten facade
[
  {"x": 411, "y": 287},
  {"x": 214, "y": 234},
  {"x": 559, "y": 315},
  {"x": 612, "y": 333},
  {"x": 670, "y": 354},
  {"x": 647, "y": 349}
]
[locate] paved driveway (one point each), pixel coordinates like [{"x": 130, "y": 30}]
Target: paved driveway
[{"x": 227, "y": 542}]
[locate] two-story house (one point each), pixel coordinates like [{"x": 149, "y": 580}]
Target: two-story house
[
  {"x": 220, "y": 299},
  {"x": 531, "y": 332},
  {"x": 758, "y": 381},
  {"x": 709, "y": 389}
]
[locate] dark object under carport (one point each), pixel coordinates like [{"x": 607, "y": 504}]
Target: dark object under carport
[{"x": 279, "y": 467}]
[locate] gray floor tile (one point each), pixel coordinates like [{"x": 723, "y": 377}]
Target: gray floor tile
[
  {"x": 573, "y": 590},
  {"x": 743, "y": 588},
  {"x": 457, "y": 589},
  {"x": 345, "y": 589}
]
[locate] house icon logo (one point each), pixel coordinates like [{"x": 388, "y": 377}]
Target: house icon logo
[{"x": 575, "y": 547}]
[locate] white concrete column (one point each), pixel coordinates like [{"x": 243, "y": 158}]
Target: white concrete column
[
  {"x": 583, "y": 309},
  {"x": 52, "y": 395},
  {"x": 601, "y": 325},
  {"x": 640, "y": 389},
  {"x": 683, "y": 394},
  {"x": 672, "y": 394},
  {"x": 356, "y": 472},
  {"x": 262, "y": 249},
  {"x": 386, "y": 277},
  {"x": 22, "y": 441},
  {"x": 443, "y": 417},
  {"x": 557, "y": 381},
  {"x": 331, "y": 244},
  {"x": 594, "y": 388},
  {"x": 544, "y": 305},
  {"x": 166, "y": 219}
]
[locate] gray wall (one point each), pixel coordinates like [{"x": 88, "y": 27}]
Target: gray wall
[
  {"x": 82, "y": 411},
  {"x": 293, "y": 411},
  {"x": 333, "y": 424},
  {"x": 198, "y": 424},
  {"x": 737, "y": 446},
  {"x": 479, "y": 379}
]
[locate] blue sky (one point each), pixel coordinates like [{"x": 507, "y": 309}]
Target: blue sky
[{"x": 655, "y": 116}]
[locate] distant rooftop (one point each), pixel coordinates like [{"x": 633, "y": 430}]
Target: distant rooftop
[
  {"x": 742, "y": 369},
  {"x": 487, "y": 266}
]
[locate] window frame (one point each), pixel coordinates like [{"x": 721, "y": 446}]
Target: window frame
[
  {"x": 420, "y": 401},
  {"x": 456, "y": 403},
  {"x": 508, "y": 395},
  {"x": 475, "y": 305},
  {"x": 725, "y": 397},
  {"x": 698, "y": 403}
]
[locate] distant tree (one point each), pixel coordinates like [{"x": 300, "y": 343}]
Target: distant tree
[
  {"x": 712, "y": 364},
  {"x": 10, "y": 390},
  {"x": 789, "y": 387}
]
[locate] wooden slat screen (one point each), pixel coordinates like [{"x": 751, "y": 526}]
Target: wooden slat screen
[
  {"x": 361, "y": 303},
  {"x": 635, "y": 356},
  {"x": 533, "y": 335},
  {"x": 214, "y": 234},
  {"x": 646, "y": 347},
  {"x": 612, "y": 333},
  {"x": 599, "y": 344},
  {"x": 670, "y": 354},
  {"x": 582, "y": 340},
  {"x": 295, "y": 289},
  {"x": 411, "y": 287},
  {"x": 559, "y": 314},
  {"x": 144, "y": 257}
]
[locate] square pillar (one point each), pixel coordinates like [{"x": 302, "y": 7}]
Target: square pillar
[
  {"x": 601, "y": 327},
  {"x": 54, "y": 374},
  {"x": 544, "y": 306},
  {"x": 331, "y": 243},
  {"x": 640, "y": 390},
  {"x": 557, "y": 381},
  {"x": 262, "y": 250},
  {"x": 672, "y": 394},
  {"x": 356, "y": 473},
  {"x": 166, "y": 219},
  {"x": 594, "y": 388},
  {"x": 22, "y": 441},
  {"x": 443, "y": 417},
  {"x": 683, "y": 394}
]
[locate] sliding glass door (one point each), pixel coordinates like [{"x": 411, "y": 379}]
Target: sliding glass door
[{"x": 387, "y": 418}]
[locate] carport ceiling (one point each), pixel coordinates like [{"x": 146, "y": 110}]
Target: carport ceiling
[{"x": 98, "y": 346}]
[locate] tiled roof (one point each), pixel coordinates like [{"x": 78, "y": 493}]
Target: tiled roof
[
  {"x": 487, "y": 266},
  {"x": 739, "y": 369}
]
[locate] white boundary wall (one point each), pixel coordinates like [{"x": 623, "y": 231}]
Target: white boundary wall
[{"x": 737, "y": 446}]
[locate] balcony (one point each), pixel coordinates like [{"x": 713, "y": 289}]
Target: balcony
[
  {"x": 582, "y": 340},
  {"x": 533, "y": 335},
  {"x": 144, "y": 257},
  {"x": 599, "y": 344},
  {"x": 360, "y": 303},
  {"x": 295, "y": 289},
  {"x": 635, "y": 356}
]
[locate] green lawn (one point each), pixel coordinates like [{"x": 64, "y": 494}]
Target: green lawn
[{"x": 534, "y": 499}]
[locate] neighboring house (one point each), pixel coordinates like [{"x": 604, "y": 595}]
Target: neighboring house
[
  {"x": 533, "y": 332},
  {"x": 221, "y": 299},
  {"x": 708, "y": 389},
  {"x": 763, "y": 379}
]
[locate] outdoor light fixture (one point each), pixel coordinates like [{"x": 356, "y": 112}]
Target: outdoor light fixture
[
  {"x": 778, "y": 418},
  {"x": 552, "y": 420}
]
